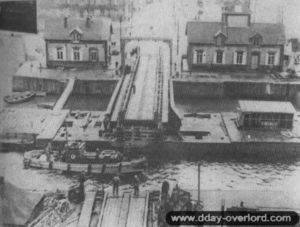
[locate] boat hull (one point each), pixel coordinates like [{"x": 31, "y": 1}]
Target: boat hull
[
  {"x": 23, "y": 97},
  {"x": 125, "y": 167}
]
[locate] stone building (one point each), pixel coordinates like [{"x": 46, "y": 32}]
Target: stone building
[
  {"x": 235, "y": 44},
  {"x": 78, "y": 42}
]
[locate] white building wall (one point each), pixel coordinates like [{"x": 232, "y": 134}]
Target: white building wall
[{"x": 68, "y": 51}]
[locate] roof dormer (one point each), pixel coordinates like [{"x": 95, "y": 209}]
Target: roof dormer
[
  {"x": 220, "y": 38},
  {"x": 76, "y": 34},
  {"x": 256, "y": 39}
]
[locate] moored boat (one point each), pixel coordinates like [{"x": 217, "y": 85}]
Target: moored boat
[
  {"x": 19, "y": 98},
  {"x": 75, "y": 159}
]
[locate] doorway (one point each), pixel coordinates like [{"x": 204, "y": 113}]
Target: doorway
[{"x": 255, "y": 57}]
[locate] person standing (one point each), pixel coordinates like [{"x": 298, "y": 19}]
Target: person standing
[
  {"x": 136, "y": 185},
  {"x": 116, "y": 184}
]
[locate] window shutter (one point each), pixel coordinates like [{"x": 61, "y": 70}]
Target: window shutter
[
  {"x": 215, "y": 57},
  {"x": 54, "y": 54},
  {"x": 64, "y": 53},
  {"x": 244, "y": 58},
  {"x": 80, "y": 54},
  {"x": 234, "y": 58},
  {"x": 223, "y": 57},
  {"x": 72, "y": 54},
  {"x": 266, "y": 60},
  {"x": 276, "y": 60},
  {"x": 204, "y": 57},
  {"x": 195, "y": 57}
]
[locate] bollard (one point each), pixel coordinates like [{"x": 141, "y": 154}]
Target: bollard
[
  {"x": 120, "y": 167},
  {"x": 89, "y": 169},
  {"x": 68, "y": 168},
  {"x": 51, "y": 165},
  {"x": 103, "y": 168}
]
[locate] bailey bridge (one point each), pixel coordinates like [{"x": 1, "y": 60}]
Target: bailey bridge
[{"x": 143, "y": 98}]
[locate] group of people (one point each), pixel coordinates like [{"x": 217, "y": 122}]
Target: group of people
[{"x": 116, "y": 183}]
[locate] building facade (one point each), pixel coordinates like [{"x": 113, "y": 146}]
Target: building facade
[
  {"x": 235, "y": 44},
  {"x": 78, "y": 43}
]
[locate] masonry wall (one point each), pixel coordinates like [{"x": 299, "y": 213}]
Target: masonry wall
[
  {"x": 196, "y": 89},
  {"x": 50, "y": 86},
  {"x": 237, "y": 89},
  {"x": 95, "y": 87}
]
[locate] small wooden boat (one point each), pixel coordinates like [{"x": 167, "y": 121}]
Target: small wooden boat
[{"x": 19, "y": 98}]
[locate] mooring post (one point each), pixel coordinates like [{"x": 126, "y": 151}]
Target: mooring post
[
  {"x": 199, "y": 182},
  {"x": 222, "y": 209},
  {"x": 1, "y": 199}
]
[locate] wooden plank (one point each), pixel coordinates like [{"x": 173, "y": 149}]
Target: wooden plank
[
  {"x": 136, "y": 212},
  {"x": 102, "y": 210},
  {"x": 146, "y": 210},
  {"x": 87, "y": 208},
  {"x": 124, "y": 209},
  {"x": 111, "y": 211}
]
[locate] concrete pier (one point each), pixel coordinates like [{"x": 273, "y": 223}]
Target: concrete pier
[{"x": 1, "y": 199}]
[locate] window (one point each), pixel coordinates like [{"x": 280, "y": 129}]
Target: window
[
  {"x": 76, "y": 54},
  {"x": 94, "y": 54},
  {"x": 219, "y": 59},
  {"x": 271, "y": 58},
  {"x": 76, "y": 36},
  {"x": 256, "y": 41},
  {"x": 219, "y": 41},
  {"x": 199, "y": 56},
  {"x": 239, "y": 57},
  {"x": 60, "y": 54}
]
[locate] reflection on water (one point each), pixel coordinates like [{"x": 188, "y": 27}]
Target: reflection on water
[
  {"x": 188, "y": 105},
  {"x": 87, "y": 102}
]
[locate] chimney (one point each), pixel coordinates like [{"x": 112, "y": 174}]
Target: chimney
[
  {"x": 88, "y": 22},
  {"x": 66, "y": 22},
  {"x": 238, "y": 9}
]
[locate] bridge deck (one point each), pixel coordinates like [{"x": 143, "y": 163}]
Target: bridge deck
[
  {"x": 141, "y": 104},
  {"x": 65, "y": 95},
  {"x": 124, "y": 211}
]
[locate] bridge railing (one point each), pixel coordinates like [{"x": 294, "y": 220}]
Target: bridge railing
[{"x": 129, "y": 88}]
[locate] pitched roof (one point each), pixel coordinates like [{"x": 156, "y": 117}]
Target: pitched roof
[
  {"x": 99, "y": 28},
  {"x": 204, "y": 32},
  {"x": 266, "y": 106}
]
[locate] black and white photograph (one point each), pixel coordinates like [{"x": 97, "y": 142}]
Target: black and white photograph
[{"x": 149, "y": 113}]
